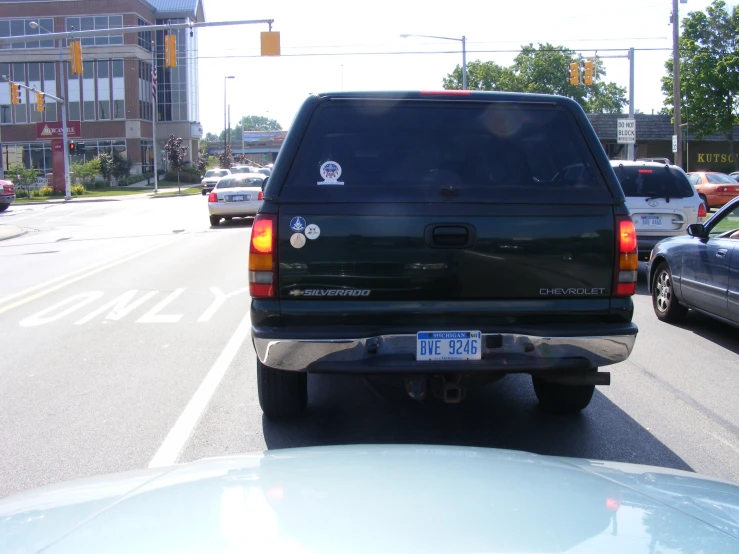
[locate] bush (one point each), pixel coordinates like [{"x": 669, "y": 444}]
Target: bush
[
  {"x": 186, "y": 177},
  {"x": 135, "y": 179},
  {"x": 77, "y": 190},
  {"x": 46, "y": 191},
  {"x": 99, "y": 184}
]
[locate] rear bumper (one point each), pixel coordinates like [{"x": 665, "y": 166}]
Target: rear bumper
[
  {"x": 235, "y": 209},
  {"x": 7, "y": 198},
  {"x": 502, "y": 353}
]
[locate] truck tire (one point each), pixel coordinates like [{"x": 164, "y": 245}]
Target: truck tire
[
  {"x": 665, "y": 303},
  {"x": 282, "y": 394},
  {"x": 214, "y": 220},
  {"x": 562, "y": 399},
  {"x": 4, "y": 207}
]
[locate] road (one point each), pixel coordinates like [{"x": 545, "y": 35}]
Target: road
[{"x": 124, "y": 340}]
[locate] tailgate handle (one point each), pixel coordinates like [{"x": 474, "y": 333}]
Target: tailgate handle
[{"x": 450, "y": 235}]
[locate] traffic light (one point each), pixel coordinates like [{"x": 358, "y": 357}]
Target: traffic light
[
  {"x": 270, "y": 41},
  {"x": 574, "y": 73},
  {"x": 72, "y": 147},
  {"x": 588, "y": 74},
  {"x": 170, "y": 50},
  {"x": 75, "y": 56},
  {"x": 40, "y": 102},
  {"x": 15, "y": 93}
]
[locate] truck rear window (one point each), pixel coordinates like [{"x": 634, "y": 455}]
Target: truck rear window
[
  {"x": 443, "y": 151},
  {"x": 657, "y": 181}
]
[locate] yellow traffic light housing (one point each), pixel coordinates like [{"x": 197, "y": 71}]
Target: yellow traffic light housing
[
  {"x": 75, "y": 57},
  {"x": 588, "y": 74},
  {"x": 170, "y": 50},
  {"x": 15, "y": 93},
  {"x": 40, "y": 102},
  {"x": 271, "y": 43},
  {"x": 574, "y": 73}
]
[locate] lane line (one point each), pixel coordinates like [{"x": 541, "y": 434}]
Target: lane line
[
  {"x": 178, "y": 436},
  {"x": 65, "y": 216},
  {"x": 68, "y": 282}
]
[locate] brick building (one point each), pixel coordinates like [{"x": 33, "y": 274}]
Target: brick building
[{"x": 112, "y": 98}]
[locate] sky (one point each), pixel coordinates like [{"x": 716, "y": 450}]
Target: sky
[{"x": 330, "y": 45}]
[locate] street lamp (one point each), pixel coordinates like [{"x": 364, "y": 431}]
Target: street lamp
[
  {"x": 62, "y": 80},
  {"x": 463, "y": 40},
  {"x": 225, "y": 129}
]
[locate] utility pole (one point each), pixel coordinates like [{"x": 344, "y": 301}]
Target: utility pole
[
  {"x": 676, "y": 82},
  {"x": 632, "y": 155}
]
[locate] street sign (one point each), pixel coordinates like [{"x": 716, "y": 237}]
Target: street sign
[
  {"x": 674, "y": 143},
  {"x": 626, "y": 131},
  {"x": 53, "y": 130}
]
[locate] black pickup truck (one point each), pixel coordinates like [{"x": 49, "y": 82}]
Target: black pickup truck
[{"x": 444, "y": 238}]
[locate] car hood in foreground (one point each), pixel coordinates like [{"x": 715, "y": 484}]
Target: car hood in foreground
[{"x": 379, "y": 499}]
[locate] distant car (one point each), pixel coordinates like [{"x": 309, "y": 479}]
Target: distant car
[
  {"x": 699, "y": 270},
  {"x": 7, "y": 194},
  {"x": 661, "y": 200},
  {"x": 655, "y": 160},
  {"x": 734, "y": 175},
  {"x": 243, "y": 169},
  {"x": 264, "y": 171},
  {"x": 211, "y": 177},
  {"x": 238, "y": 195},
  {"x": 715, "y": 189}
]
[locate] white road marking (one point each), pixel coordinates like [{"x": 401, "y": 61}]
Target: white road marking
[
  {"x": 77, "y": 301},
  {"x": 178, "y": 436},
  {"x": 218, "y": 302},
  {"x": 120, "y": 307},
  {"x": 152, "y": 316},
  {"x": 46, "y": 289},
  {"x": 65, "y": 216}
]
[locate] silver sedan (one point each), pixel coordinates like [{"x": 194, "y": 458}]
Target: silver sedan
[{"x": 237, "y": 195}]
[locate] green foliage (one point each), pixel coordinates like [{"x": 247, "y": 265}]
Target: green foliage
[
  {"x": 77, "y": 190},
  {"x": 135, "y": 179},
  {"x": 249, "y": 123},
  {"x": 184, "y": 177},
  {"x": 212, "y": 162},
  {"x": 709, "y": 71},
  {"x": 99, "y": 184},
  {"x": 105, "y": 160},
  {"x": 543, "y": 69},
  {"x": 224, "y": 158},
  {"x": 21, "y": 176},
  {"x": 121, "y": 166},
  {"x": 85, "y": 172}
]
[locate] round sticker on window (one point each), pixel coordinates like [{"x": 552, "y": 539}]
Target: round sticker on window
[
  {"x": 297, "y": 240},
  {"x": 330, "y": 171},
  {"x": 312, "y": 231}
]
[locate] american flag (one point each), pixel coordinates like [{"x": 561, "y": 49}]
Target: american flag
[{"x": 154, "y": 82}]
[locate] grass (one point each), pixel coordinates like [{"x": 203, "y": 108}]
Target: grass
[
  {"x": 187, "y": 188},
  {"x": 185, "y": 191}
]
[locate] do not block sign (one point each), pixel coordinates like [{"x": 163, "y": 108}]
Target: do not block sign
[{"x": 626, "y": 131}]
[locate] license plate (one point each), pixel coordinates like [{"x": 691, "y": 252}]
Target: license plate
[
  {"x": 239, "y": 198},
  {"x": 448, "y": 345},
  {"x": 651, "y": 221}
]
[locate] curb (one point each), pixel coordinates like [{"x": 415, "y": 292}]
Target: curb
[
  {"x": 12, "y": 230},
  {"x": 75, "y": 200}
]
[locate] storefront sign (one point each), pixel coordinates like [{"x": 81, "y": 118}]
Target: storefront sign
[{"x": 53, "y": 130}]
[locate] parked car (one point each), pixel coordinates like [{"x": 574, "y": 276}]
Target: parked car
[
  {"x": 734, "y": 175},
  {"x": 699, "y": 270},
  {"x": 7, "y": 194},
  {"x": 424, "y": 239},
  {"x": 264, "y": 171},
  {"x": 661, "y": 200},
  {"x": 211, "y": 177},
  {"x": 238, "y": 195},
  {"x": 715, "y": 189}
]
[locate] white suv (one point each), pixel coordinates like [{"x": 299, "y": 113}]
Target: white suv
[{"x": 661, "y": 200}]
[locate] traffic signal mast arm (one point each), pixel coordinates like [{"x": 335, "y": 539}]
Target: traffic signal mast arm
[{"x": 46, "y": 94}]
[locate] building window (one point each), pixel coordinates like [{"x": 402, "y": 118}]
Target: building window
[
  {"x": 74, "y": 111},
  {"x": 147, "y": 156},
  {"x": 20, "y": 113},
  {"x": 97, "y": 23},
  {"x": 51, "y": 111},
  {"x": 104, "y": 109},
  {"x": 89, "y": 110},
  {"x": 118, "y": 89},
  {"x": 144, "y": 36},
  {"x": 33, "y": 155},
  {"x": 172, "y": 89},
  {"x": 5, "y": 114},
  {"x": 22, "y": 27}
]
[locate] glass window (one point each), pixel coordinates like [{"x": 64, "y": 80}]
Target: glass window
[
  {"x": 20, "y": 113},
  {"x": 5, "y": 114},
  {"x": 720, "y": 179},
  {"x": 89, "y": 110},
  {"x": 118, "y": 109},
  {"x": 35, "y": 116},
  {"x": 87, "y": 70},
  {"x": 17, "y": 27},
  {"x": 104, "y": 109},
  {"x": 101, "y": 22},
  {"x": 5, "y": 69},
  {"x": 74, "y": 111},
  {"x": 34, "y": 71},
  {"x": 442, "y": 150},
  {"x": 88, "y": 23},
  {"x": 115, "y": 22},
  {"x": 5, "y": 28},
  {"x": 103, "y": 72},
  {"x": 657, "y": 182},
  {"x": 117, "y": 68},
  {"x": 728, "y": 223},
  {"x": 116, "y": 39},
  {"x": 51, "y": 111},
  {"x": 19, "y": 72},
  {"x": 102, "y": 41},
  {"x": 49, "y": 71}
]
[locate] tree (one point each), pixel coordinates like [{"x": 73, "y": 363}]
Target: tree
[
  {"x": 211, "y": 137},
  {"x": 544, "y": 70},
  {"x": 86, "y": 172},
  {"x": 224, "y": 158},
  {"x": 120, "y": 166},
  {"x": 105, "y": 159},
  {"x": 175, "y": 155},
  {"x": 22, "y": 177},
  {"x": 709, "y": 72},
  {"x": 251, "y": 123}
]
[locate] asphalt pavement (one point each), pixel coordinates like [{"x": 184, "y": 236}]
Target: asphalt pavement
[{"x": 124, "y": 343}]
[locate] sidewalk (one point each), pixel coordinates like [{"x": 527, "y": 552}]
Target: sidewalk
[
  {"x": 11, "y": 231},
  {"x": 80, "y": 200}
]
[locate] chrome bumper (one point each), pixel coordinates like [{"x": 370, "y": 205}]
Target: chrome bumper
[{"x": 298, "y": 355}]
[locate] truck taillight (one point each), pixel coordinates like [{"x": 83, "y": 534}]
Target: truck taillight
[
  {"x": 213, "y": 197},
  {"x": 263, "y": 257},
  {"x": 702, "y": 211},
  {"x": 627, "y": 260}
]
